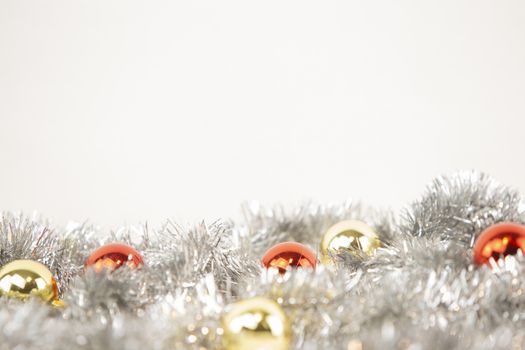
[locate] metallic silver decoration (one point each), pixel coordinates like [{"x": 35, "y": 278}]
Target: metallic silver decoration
[
  {"x": 458, "y": 207},
  {"x": 264, "y": 227},
  {"x": 419, "y": 291}
]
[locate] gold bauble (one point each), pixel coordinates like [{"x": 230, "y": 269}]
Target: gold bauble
[
  {"x": 256, "y": 324},
  {"x": 350, "y": 235},
  {"x": 22, "y": 279}
]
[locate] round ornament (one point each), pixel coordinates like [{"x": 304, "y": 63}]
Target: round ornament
[
  {"x": 22, "y": 279},
  {"x": 114, "y": 255},
  {"x": 498, "y": 241},
  {"x": 256, "y": 324},
  {"x": 350, "y": 235},
  {"x": 289, "y": 254}
]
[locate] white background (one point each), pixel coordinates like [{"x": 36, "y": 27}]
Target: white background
[{"x": 125, "y": 111}]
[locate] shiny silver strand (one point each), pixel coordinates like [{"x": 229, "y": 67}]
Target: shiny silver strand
[
  {"x": 419, "y": 291},
  {"x": 459, "y": 206}
]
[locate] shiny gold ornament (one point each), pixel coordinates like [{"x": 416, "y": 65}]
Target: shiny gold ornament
[
  {"x": 23, "y": 279},
  {"x": 256, "y": 324},
  {"x": 349, "y": 235}
]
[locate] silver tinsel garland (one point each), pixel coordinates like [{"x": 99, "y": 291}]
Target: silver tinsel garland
[{"x": 419, "y": 291}]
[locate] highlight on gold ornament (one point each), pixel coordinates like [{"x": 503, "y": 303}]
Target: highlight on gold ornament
[
  {"x": 498, "y": 241},
  {"x": 22, "y": 279},
  {"x": 256, "y": 323},
  {"x": 352, "y": 236}
]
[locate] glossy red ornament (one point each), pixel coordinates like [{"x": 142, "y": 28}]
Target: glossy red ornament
[
  {"x": 499, "y": 240},
  {"x": 114, "y": 255},
  {"x": 287, "y": 254}
]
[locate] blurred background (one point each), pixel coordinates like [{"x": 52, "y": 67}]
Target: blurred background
[{"x": 122, "y": 111}]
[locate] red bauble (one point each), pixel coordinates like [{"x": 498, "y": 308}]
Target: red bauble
[
  {"x": 114, "y": 255},
  {"x": 287, "y": 254},
  {"x": 499, "y": 240}
]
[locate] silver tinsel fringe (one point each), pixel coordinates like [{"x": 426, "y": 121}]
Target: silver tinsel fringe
[{"x": 419, "y": 291}]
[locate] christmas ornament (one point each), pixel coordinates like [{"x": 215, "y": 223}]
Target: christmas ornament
[
  {"x": 287, "y": 254},
  {"x": 421, "y": 292},
  {"x": 114, "y": 255},
  {"x": 22, "y": 279},
  {"x": 256, "y": 323},
  {"x": 499, "y": 240},
  {"x": 349, "y": 235}
]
